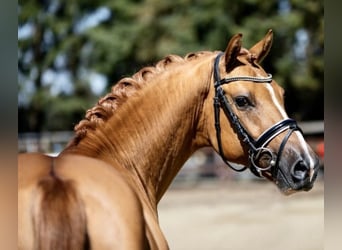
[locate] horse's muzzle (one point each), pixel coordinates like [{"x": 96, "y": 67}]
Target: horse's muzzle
[{"x": 300, "y": 176}]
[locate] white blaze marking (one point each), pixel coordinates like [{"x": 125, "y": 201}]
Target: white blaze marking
[
  {"x": 306, "y": 149},
  {"x": 275, "y": 101},
  {"x": 299, "y": 135}
]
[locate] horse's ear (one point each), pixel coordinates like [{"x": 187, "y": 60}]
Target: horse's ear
[
  {"x": 261, "y": 49},
  {"x": 232, "y": 51}
]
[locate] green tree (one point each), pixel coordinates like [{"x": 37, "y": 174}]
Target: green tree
[{"x": 79, "y": 41}]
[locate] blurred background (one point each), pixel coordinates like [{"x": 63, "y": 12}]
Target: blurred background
[{"x": 71, "y": 52}]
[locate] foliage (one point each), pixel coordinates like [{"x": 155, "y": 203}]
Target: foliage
[{"x": 130, "y": 34}]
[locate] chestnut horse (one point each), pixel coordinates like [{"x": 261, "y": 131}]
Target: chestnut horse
[{"x": 102, "y": 191}]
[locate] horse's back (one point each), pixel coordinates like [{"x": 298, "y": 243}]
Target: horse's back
[
  {"x": 31, "y": 168},
  {"x": 113, "y": 213}
]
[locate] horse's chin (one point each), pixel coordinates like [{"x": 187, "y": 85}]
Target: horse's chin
[{"x": 288, "y": 190}]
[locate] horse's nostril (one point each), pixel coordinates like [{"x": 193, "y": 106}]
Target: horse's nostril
[{"x": 300, "y": 170}]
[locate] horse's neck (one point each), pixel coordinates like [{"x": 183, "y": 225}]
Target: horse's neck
[{"x": 156, "y": 130}]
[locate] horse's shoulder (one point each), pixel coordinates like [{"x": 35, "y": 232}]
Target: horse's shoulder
[{"x": 103, "y": 188}]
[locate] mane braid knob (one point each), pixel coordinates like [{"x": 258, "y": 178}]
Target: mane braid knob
[{"x": 107, "y": 105}]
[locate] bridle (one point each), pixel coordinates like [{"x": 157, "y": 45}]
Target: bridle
[{"x": 258, "y": 147}]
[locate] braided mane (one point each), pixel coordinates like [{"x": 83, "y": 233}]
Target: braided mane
[{"x": 107, "y": 105}]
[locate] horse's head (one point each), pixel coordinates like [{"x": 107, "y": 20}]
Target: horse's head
[{"x": 251, "y": 125}]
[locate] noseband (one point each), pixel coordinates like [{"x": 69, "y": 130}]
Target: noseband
[{"x": 257, "y": 147}]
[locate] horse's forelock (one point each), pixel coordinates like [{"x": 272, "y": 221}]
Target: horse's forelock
[{"x": 246, "y": 56}]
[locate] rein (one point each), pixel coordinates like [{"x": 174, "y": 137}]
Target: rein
[{"x": 256, "y": 147}]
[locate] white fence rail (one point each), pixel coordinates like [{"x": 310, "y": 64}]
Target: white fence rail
[
  {"x": 203, "y": 163},
  {"x": 54, "y": 142}
]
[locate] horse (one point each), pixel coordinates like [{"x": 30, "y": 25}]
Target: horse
[{"x": 102, "y": 190}]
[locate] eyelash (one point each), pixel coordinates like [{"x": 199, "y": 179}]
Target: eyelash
[{"x": 242, "y": 102}]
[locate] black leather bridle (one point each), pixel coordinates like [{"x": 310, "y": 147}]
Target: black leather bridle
[{"x": 256, "y": 147}]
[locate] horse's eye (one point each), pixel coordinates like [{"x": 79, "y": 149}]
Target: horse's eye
[{"x": 242, "y": 101}]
